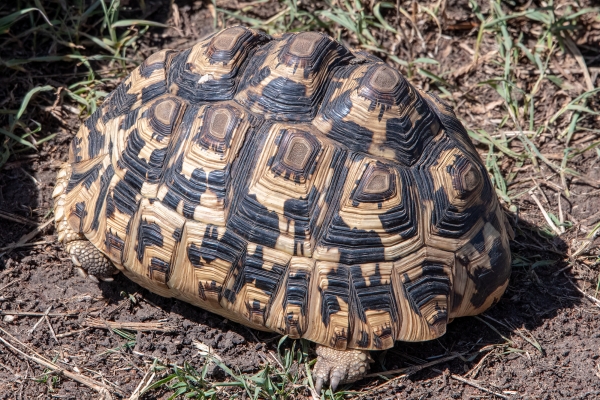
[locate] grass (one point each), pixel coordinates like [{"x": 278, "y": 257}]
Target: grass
[
  {"x": 90, "y": 36},
  {"x": 286, "y": 376},
  {"x": 514, "y": 67}
]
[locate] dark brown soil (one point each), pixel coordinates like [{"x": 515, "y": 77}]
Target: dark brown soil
[{"x": 541, "y": 306}]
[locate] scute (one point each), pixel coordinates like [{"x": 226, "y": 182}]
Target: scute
[
  {"x": 383, "y": 79},
  {"x": 372, "y": 226},
  {"x": 292, "y": 185},
  {"x": 210, "y": 70},
  {"x": 198, "y": 181},
  {"x": 286, "y": 80},
  {"x": 455, "y": 208},
  {"x": 140, "y": 150},
  {"x": 371, "y": 108},
  {"x": 283, "y": 206},
  {"x": 151, "y": 247}
]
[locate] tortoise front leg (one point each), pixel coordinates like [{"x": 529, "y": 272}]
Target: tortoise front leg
[
  {"x": 89, "y": 261},
  {"x": 339, "y": 366}
]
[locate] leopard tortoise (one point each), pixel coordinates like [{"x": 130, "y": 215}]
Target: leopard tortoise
[{"x": 292, "y": 185}]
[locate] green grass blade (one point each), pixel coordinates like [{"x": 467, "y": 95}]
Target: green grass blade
[
  {"x": 17, "y": 138},
  {"x": 135, "y": 22},
  {"x": 26, "y": 100},
  {"x": 6, "y": 22}
]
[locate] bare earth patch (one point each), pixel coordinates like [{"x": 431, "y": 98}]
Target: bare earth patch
[{"x": 535, "y": 120}]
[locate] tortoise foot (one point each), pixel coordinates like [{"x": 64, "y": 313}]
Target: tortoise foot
[
  {"x": 339, "y": 366},
  {"x": 90, "y": 262}
]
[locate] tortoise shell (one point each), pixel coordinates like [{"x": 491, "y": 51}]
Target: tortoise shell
[{"x": 292, "y": 185}]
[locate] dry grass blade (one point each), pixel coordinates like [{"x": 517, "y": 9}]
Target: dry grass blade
[
  {"x": 492, "y": 327},
  {"x": 407, "y": 371},
  {"x": 574, "y": 50},
  {"x": 71, "y": 333},
  {"x": 35, "y": 314},
  {"x": 131, "y": 326},
  {"x": 103, "y": 390},
  {"x": 545, "y": 214},
  {"x": 16, "y": 218},
  {"x": 475, "y": 370},
  {"x": 30, "y": 244},
  {"x": 144, "y": 384},
  {"x": 529, "y": 337},
  {"x": 26, "y": 238},
  {"x": 478, "y": 386},
  {"x": 414, "y": 368},
  {"x": 589, "y": 297},
  {"x": 205, "y": 350},
  {"x": 44, "y": 315},
  {"x": 7, "y": 285}
]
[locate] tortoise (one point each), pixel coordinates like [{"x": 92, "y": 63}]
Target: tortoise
[{"x": 289, "y": 184}]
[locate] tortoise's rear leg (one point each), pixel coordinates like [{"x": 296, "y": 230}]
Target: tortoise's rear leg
[
  {"x": 88, "y": 260},
  {"x": 339, "y": 366}
]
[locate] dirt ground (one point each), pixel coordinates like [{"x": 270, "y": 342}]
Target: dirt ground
[{"x": 541, "y": 341}]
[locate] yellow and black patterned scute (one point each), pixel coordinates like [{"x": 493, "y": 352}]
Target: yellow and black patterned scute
[{"x": 292, "y": 185}]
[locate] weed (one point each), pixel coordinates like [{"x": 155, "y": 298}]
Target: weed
[
  {"x": 285, "y": 375},
  {"x": 57, "y": 33},
  {"x": 49, "y": 378}
]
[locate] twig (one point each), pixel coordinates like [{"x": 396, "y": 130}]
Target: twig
[
  {"x": 144, "y": 383},
  {"x": 50, "y": 326},
  {"x": 36, "y": 314},
  {"x": 26, "y": 238},
  {"x": 44, "y": 315},
  {"x": 16, "y": 218},
  {"x": 478, "y": 386},
  {"x": 544, "y": 213},
  {"x": 132, "y": 326},
  {"x": 16, "y": 246},
  {"x": 561, "y": 216},
  {"x": 10, "y": 283},
  {"x": 591, "y": 298},
  {"x": 415, "y": 368},
  {"x": 62, "y": 335},
  {"x": 39, "y": 359}
]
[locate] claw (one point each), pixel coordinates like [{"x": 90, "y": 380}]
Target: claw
[
  {"x": 319, "y": 385},
  {"x": 81, "y": 272},
  {"x": 335, "y": 381},
  {"x": 106, "y": 279},
  {"x": 75, "y": 261},
  {"x": 93, "y": 279},
  {"x": 339, "y": 366}
]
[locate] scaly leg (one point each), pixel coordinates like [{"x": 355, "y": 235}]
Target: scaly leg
[
  {"x": 90, "y": 261},
  {"x": 339, "y": 366}
]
